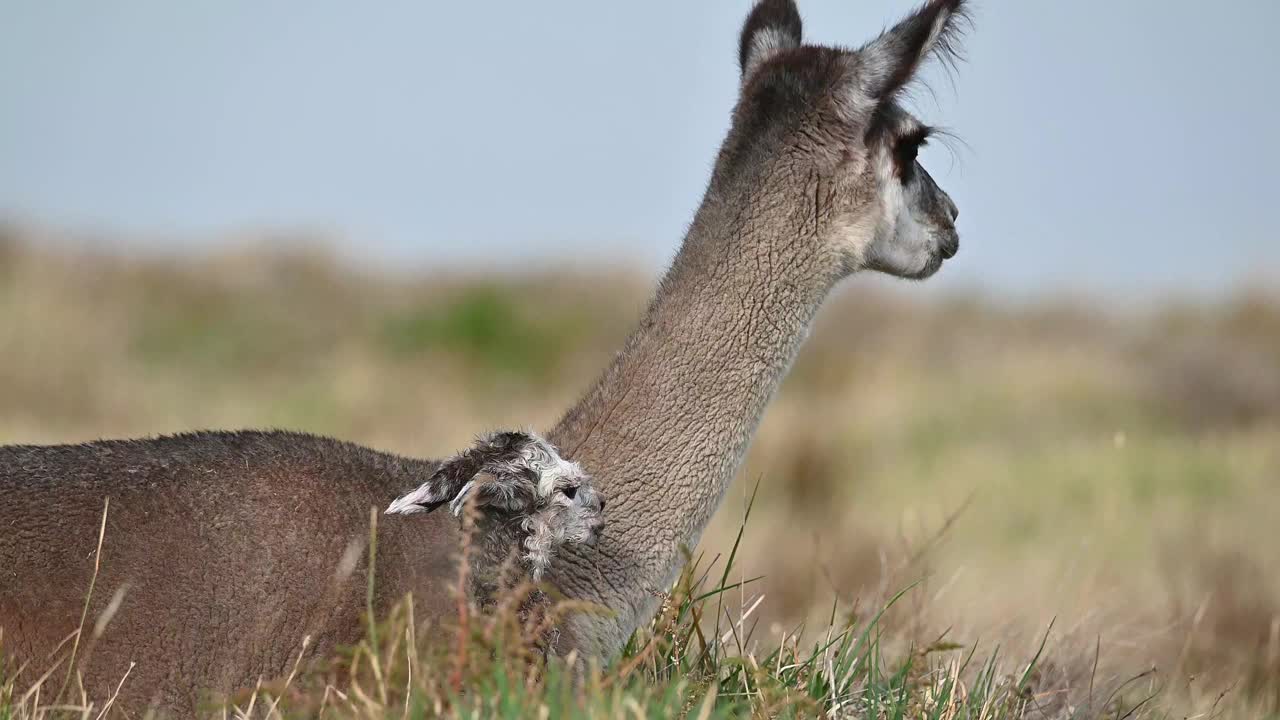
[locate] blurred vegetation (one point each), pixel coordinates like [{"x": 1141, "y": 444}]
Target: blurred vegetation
[
  {"x": 691, "y": 661},
  {"x": 1116, "y": 468},
  {"x": 490, "y": 328}
]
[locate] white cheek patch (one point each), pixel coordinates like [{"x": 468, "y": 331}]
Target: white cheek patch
[
  {"x": 900, "y": 243},
  {"x": 856, "y": 236},
  {"x": 893, "y": 202}
]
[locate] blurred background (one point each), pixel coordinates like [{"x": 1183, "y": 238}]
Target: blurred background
[{"x": 405, "y": 223}]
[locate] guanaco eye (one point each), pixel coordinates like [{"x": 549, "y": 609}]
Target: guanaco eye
[
  {"x": 570, "y": 492},
  {"x": 908, "y": 148}
]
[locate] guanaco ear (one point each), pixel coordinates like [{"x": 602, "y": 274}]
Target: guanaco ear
[
  {"x": 452, "y": 480},
  {"x": 889, "y": 62},
  {"x": 772, "y": 26}
]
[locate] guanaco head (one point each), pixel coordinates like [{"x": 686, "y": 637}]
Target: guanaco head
[
  {"x": 518, "y": 483},
  {"x": 824, "y": 154}
]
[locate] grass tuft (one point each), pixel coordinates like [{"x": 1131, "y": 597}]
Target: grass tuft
[{"x": 696, "y": 659}]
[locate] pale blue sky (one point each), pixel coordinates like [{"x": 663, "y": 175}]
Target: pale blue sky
[{"x": 1117, "y": 144}]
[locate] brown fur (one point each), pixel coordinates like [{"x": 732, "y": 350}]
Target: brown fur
[
  {"x": 228, "y": 543},
  {"x": 227, "y": 547}
]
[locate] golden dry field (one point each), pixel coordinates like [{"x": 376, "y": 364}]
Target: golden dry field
[{"x": 1110, "y": 468}]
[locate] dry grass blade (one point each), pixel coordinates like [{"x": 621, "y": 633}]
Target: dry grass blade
[{"x": 97, "y": 565}]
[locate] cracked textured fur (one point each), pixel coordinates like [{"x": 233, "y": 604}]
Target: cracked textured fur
[
  {"x": 233, "y": 546},
  {"x": 816, "y": 180}
]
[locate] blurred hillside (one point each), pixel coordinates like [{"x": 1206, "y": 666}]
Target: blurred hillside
[{"x": 1116, "y": 469}]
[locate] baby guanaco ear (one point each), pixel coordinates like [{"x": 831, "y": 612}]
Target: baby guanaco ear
[{"x": 450, "y": 483}]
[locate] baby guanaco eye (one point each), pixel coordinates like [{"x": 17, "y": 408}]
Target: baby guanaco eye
[{"x": 570, "y": 492}]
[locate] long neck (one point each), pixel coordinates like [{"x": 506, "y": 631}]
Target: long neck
[{"x": 665, "y": 428}]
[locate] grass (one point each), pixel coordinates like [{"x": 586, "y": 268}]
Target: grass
[
  {"x": 1115, "y": 473},
  {"x": 699, "y": 658},
  {"x": 487, "y": 327}
]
